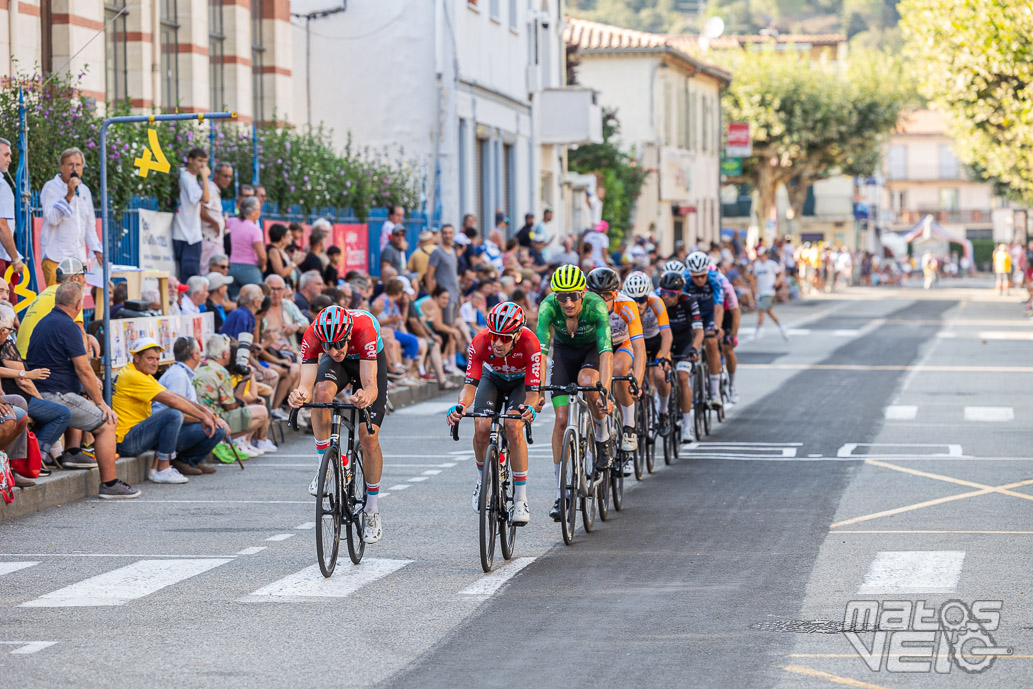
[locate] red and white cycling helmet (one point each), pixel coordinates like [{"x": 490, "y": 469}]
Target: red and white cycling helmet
[{"x": 506, "y": 318}]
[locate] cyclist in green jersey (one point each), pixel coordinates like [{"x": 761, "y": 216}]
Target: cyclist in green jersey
[{"x": 578, "y": 325}]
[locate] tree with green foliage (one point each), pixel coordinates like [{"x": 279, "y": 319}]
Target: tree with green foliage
[
  {"x": 811, "y": 120},
  {"x": 975, "y": 61},
  {"x": 618, "y": 172}
]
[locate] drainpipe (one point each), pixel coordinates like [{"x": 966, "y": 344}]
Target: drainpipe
[
  {"x": 308, "y": 17},
  {"x": 12, "y": 21}
]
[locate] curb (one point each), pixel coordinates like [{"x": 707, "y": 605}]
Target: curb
[{"x": 68, "y": 485}]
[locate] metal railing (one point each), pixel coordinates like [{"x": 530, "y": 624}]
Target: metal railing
[{"x": 911, "y": 217}]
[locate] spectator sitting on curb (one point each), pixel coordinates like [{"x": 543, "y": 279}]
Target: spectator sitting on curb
[
  {"x": 57, "y": 345},
  {"x": 215, "y": 390},
  {"x": 309, "y": 287},
  {"x": 69, "y": 270},
  {"x": 182, "y": 433}
]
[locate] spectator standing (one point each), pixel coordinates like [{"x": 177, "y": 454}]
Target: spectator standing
[
  {"x": 568, "y": 255},
  {"x": 426, "y": 243},
  {"x": 502, "y": 225},
  {"x": 443, "y": 270},
  {"x": 8, "y": 251},
  {"x": 523, "y": 235},
  {"x": 186, "y": 223},
  {"x": 1002, "y": 269},
  {"x": 57, "y": 345},
  {"x": 317, "y": 235},
  {"x": 181, "y": 432},
  {"x": 193, "y": 302},
  {"x": 247, "y": 246},
  {"x": 332, "y": 272},
  {"x": 395, "y": 218},
  {"x": 600, "y": 243},
  {"x": 309, "y": 287},
  {"x": 767, "y": 278},
  {"x": 279, "y": 262},
  {"x": 217, "y": 302},
  {"x": 69, "y": 218},
  {"x": 393, "y": 254},
  {"x": 213, "y": 221}
]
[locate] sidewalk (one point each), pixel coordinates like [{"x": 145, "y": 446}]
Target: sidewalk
[{"x": 67, "y": 485}]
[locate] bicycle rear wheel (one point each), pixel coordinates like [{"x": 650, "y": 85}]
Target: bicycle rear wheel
[
  {"x": 488, "y": 504},
  {"x": 588, "y": 499},
  {"x": 568, "y": 485},
  {"x": 723, "y": 391},
  {"x": 674, "y": 414},
  {"x": 699, "y": 401},
  {"x": 616, "y": 486},
  {"x": 355, "y": 501},
  {"x": 328, "y": 511}
]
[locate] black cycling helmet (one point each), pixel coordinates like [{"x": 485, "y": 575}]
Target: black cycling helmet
[
  {"x": 603, "y": 280},
  {"x": 672, "y": 280}
]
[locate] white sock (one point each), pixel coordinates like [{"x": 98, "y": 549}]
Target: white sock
[
  {"x": 628, "y": 412},
  {"x": 602, "y": 433},
  {"x": 556, "y": 467},
  {"x": 664, "y": 400},
  {"x": 686, "y": 420},
  {"x": 423, "y": 369},
  {"x": 715, "y": 384}
]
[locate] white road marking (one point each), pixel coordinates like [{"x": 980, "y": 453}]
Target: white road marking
[
  {"x": 401, "y": 486},
  {"x": 425, "y": 408},
  {"x": 27, "y": 647},
  {"x": 280, "y": 537},
  {"x": 847, "y": 450},
  {"x": 490, "y": 583},
  {"x": 124, "y": 584},
  {"x": 253, "y": 550},
  {"x": 218, "y": 502},
  {"x": 417, "y": 479},
  {"x": 934, "y": 571},
  {"x": 305, "y": 527},
  {"x": 432, "y": 472},
  {"x": 796, "y": 332},
  {"x": 989, "y": 414},
  {"x": 1003, "y": 335},
  {"x": 447, "y": 465},
  {"x": 901, "y": 412},
  {"x": 8, "y": 567},
  {"x": 310, "y": 585},
  {"x": 743, "y": 450},
  {"x": 314, "y": 458},
  {"x": 846, "y": 332}
]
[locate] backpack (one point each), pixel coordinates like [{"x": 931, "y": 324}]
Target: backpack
[{"x": 30, "y": 465}]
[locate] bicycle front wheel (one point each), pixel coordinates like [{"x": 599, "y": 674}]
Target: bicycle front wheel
[
  {"x": 507, "y": 499},
  {"x": 617, "y": 488},
  {"x": 355, "y": 501},
  {"x": 674, "y": 414},
  {"x": 699, "y": 401},
  {"x": 328, "y": 511},
  {"x": 488, "y": 506},
  {"x": 568, "y": 485}
]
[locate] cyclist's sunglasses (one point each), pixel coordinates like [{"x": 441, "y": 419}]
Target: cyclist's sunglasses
[
  {"x": 568, "y": 296},
  {"x": 701, "y": 275},
  {"x": 340, "y": 344},
  {"x": 642, "y": 300},
  {"x": 669, "y": 293},
  {"x": 506, "y": 339}
]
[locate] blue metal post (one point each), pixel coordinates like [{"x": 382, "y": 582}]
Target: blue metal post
[
  {"x": 22, "y": 190},
  {"x": 106, "y": 240},
  {"x": 254, "y": 153}
]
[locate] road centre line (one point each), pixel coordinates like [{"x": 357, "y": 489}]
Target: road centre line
[
  {"x": 133, "y": 555},
  {"x": 314, "y": 457},
  {"x": 218, "y": 502},
  {"x": 280, "y": 537},
  {"x": 811, "y": 672},
  {"x": 253, "y": 550},
  {"x": 923, "y": 368},
  {"x": 305, "y": 526}
]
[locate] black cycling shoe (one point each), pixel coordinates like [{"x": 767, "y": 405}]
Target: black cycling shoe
[
  {"x": 602, "y": 456},
  {"x": 555, "y": 513},
  {"x": 664, "y": 425}
]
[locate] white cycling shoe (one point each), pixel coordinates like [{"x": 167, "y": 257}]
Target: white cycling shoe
[
  {"x": 371, "y": 529},
  {"x": 733, "y": 396},
  {"x": 314, "y": 486},
  {"x": 521, "y": 514},
  {"x": 629, "y": 440}
]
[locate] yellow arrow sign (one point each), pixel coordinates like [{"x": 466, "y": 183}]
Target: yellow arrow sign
[{"x": 157, "y": 162}]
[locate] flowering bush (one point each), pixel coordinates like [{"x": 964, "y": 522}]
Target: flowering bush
[{"x": 297, "y": 167}]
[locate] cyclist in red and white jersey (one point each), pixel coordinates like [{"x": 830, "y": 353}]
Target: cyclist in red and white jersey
[{"x": 505, "y": 360}]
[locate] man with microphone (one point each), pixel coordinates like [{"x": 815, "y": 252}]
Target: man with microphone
[{"x": 69, "y": 218}]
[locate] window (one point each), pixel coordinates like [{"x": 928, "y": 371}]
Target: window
[
  {"x": 462, "y": 166},
  {"x": 495, "y": 10},
  {"x": 169, "y": 62},
  {"x": 216, "y": 51},
  {"x": 948, "y": 199},
  {"x": 116, "y": 87},
  {"x": 257, "y": 61},
  {"x": 513, "y": 14},
  {"x": 484, "y": 184},
  {"x": 898, "y": 162},
  {"x": 508, "y": 200},
  {"x": 898, "y": 199},
  {"x": 948, "y": 162},
  {"x": 693, "y": 121}
]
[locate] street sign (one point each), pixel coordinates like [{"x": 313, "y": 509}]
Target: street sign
[
  {"x": 739, "y": 145},
  {"x": 731, "y": 167}
]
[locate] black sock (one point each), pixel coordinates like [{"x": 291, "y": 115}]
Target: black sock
[
  {"x": 73, "y": 450},
  {"x": 111, "y": 482}
]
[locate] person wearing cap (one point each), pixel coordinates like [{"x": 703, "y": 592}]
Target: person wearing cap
[
  {"x": 394, "y": 253},
  {"x": 69, "y": 270},
  {"x": 193, "y": 302},
  {"x": 217, "y": 302},
  {"x": 69, "y": 218},
  {"x": 181, "y": 433},
  {"x": 421, "y": 256},
  {"x": 57, "y": 345}
]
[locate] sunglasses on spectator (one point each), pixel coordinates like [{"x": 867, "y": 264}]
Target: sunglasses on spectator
[
  {"x": 223, "y": 266},
  {"x": 669, "y": 293},
  {"x": 568, "y": 296}
]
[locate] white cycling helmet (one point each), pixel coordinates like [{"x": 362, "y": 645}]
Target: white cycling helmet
[
  {"x": 674, "y": 265},
  {"x": 637, "y": 285},
  {"x": 698, "y": 263}
]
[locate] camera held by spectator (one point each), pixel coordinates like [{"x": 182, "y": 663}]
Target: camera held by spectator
[{"x": 240, "y": 363}]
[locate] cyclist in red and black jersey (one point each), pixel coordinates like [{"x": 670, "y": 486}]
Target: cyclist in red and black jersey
[
  {"x": 339, "y": 349},
  {"x": 505, "y": 360}
]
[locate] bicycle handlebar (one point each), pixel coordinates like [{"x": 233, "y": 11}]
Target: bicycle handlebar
[
  {"x": 571, "y": 389},
  {"x": 632, "y": 383},
  {"x": 493, "y": 415},
  {"x": 292, "y": 421}
]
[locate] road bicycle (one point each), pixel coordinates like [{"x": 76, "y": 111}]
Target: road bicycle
[
  {"x": 672, "y": 440},
  {"x": 495, "y": 502},
  {"x": 618, "y": 455},
  {"x": 701, "y": 394},
  {"x": 341, "y": 495},
  {"x": 580, "y": 484}
]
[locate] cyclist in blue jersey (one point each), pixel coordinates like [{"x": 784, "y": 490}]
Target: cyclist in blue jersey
[{"x": 704, "y": 286}]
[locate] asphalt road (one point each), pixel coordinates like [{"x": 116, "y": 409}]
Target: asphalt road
[{"x": 881, "y": 455}]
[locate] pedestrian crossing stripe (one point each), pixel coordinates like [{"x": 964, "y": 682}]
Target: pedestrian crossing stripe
[
  {"x": 8, "y": 567},
  {"x": 309, "y": 585}
]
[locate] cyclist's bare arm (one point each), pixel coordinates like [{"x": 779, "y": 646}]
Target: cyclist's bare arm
[{"x": 303, "y": 393}]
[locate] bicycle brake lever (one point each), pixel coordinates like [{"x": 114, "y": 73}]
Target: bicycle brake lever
[
  {"x": 292, "y": 420},
  {"x": 455, "y": 431},
  {"x": 369, "y": 423}
]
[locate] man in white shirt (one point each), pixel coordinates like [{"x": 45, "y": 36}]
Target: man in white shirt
[
  {"x": 7, "y": 206},
  {"x": 394, "y": 219},
  {"x": 213, "y": 222},
  {"x": 490, "y": 250},
  {"x": 767, "y": 276},
  {"x": 69, "y": 219},
  {"x": 600, "y": 243},
  {"x": 193, "y": 301},
  {"x": 186, "y": 223}
]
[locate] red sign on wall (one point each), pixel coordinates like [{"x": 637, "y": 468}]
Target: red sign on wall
[
  {"x": 354, "y": 243},
  {"x": 739, "y": 145}
]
